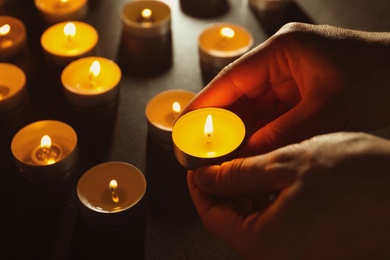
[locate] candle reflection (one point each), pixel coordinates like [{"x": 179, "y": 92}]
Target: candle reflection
[{"x": 113, "y": 186}]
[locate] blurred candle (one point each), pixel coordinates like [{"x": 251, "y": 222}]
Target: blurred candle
[
  {"x": 220, "y": 44},
  {"x": 12, "y": 87},
  {"x": 262, "y": 6},
  {"x": 207, "y": 136},
  {"x": 162, "y": 110},
  {"x": 45, "y": 149},
  {"x": 12, "y": 37},
  {"x": 55, "y": 11},
  {"x": 67, "y": 41},
  {"x": 91, "y": 82},
  {"x": 110, "y": 193}
]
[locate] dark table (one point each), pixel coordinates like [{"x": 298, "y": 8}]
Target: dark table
[{"x": 41, "y": 219}]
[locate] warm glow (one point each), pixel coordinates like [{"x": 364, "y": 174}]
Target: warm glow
[
  {"x": 113, "y": 185},
  {"x": 227, "y": 32},
  {"x": 64, "y": 1},
  {"x": 46, "y": 142},
  {"x": 94, "y": 70},
  {"x": 5, "y": 29},
  {"x": 176, "y": 107},
  {"x": 146, "y": 14},
  {"x": 208, "y": 128},
  {"x": 70, "y": 30}
]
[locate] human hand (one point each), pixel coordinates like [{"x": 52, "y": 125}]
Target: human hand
[
  {"x": 304, "y": 81},
  {"x": 333, "y": 202}
]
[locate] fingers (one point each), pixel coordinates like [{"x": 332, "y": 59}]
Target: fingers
[{"x": 253, "y": 176}]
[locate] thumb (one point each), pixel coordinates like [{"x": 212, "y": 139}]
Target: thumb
[{"x": 244, "y": 177}]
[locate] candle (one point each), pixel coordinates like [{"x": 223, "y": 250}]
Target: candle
[
  {"x": 220, "y": 44},
  {"x": 110, "y": 193},
  {"x": 45, "y": 149},
  {"x": 91, "y": 81},
  {"x": 67, "y": 41},
  {"x": 146, "y": 37},
  {"x": 269, "y": 5},
  {"x": 207, "y": 136},
  {"x": 55, "y": 11},
  {"x": 12, "y": 37},
  {"x": 12, "y": 87},
  {"x": 162, "y": 110}
]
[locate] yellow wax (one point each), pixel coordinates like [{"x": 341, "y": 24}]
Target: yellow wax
[
  {"x": 159, "y": 110},
  {"x": 55, "y": 42},
  {"x": 57, "y": 7},
  {"x": 211, "y": 40},
  {"x": 13, "y": 79},
  {"x": 93, "y": 187},
  {"x": 228, "y": 133},
  {"x": 75, "y": 76}
]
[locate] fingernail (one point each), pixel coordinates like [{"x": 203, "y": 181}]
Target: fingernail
[{"x": 206, "y": 176}]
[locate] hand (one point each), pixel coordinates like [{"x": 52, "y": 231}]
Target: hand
[
  {"x": 333, "y": 202},
  {"x": 304, "y": 81}
]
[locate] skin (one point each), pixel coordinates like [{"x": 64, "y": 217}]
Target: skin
[{"x": 295, "y": 93}]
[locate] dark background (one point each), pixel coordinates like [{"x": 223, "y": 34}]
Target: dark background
[{"x": 41, "y": 220}]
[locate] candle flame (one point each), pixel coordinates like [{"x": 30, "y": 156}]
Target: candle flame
[
  {"x": 227, "y": 32},
  {"x": 146, "y": 14},
  {"x": 176, "y": 107},
  {"x": 70, "y": 30},
  {"x": 46, "y": 142},
  {"x": 208, "y": 128},
  {"x": 5, "y": 29},
  {"x": 113, "y": 185},
  {"x": 64, "y": 1},
  {"x": 94, "y": 70}
]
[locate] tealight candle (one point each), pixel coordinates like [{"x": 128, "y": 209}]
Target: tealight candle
[
  {"x": 12, "y": 37},
  {"x": 207, "y": 136},
  {"x": 45, "y": 149},
  {"x": 91, "y": 81},
  {"x": 220, "y": 44},
  {"x": 12, "y": 87},
  {"x": 67, "y": 41},
  {"x": 162, "y": 110},
  {"x": 147, "y": 37},
  {"x": 110, "y": 193},
  {"x": 55, "y": 11}
]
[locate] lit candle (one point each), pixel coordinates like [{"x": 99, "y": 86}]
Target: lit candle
[
  {"x": 12, "y": 87},
  {"x": 220, "y": 44},
  {"x": 45, "y": 149},
  {"x": 67, "y": 41},
  {"x": 146, "y": 19},
  {"x": 207, "y": 136},
  {"x": 162, "y": 110},
  {"x": 12, "y": 37},
  {"x": 110, "y": 192},
  {"x": 91, "y": 81},
  {"x": 55, "y": 11}
]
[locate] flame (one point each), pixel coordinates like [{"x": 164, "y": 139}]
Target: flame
[
  {"x": 64, "y": 1},
  {"x": 227, "y": 32},
  {"x": 5, "y": 29},
  {"x": 146, "y": 14},
  {"x": 113, "y": 185},
  {"x": 176, "y": 107},
  {"x": 46, "y": 142},
  {"x": 208, "y": 128},
  {"x": 94, "y": 70},
  {"x": 70, "y": 30}
]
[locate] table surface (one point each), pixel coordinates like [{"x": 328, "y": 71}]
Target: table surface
[{"x": 41, "y": 219}]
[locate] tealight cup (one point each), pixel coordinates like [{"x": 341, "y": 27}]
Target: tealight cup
[
  {"x": 12, "y": 37},
  {"x": 207, "y": 136},
  {"x": 45, "y": 149},
  {"x": 110, "y": 193},
  {"x": 147, "y": 37},
  {"x": 12, "y": 87},
  {"x": 68, "y": 41},
  {"x": 162, "y": 110},
  {"x": 87, "y": 86},
  {"x": 220, "y": 44},
  {"x": 55, "y": 11}
]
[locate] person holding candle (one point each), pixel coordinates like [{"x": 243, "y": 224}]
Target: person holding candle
[{"x": 303, "y": 94}]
